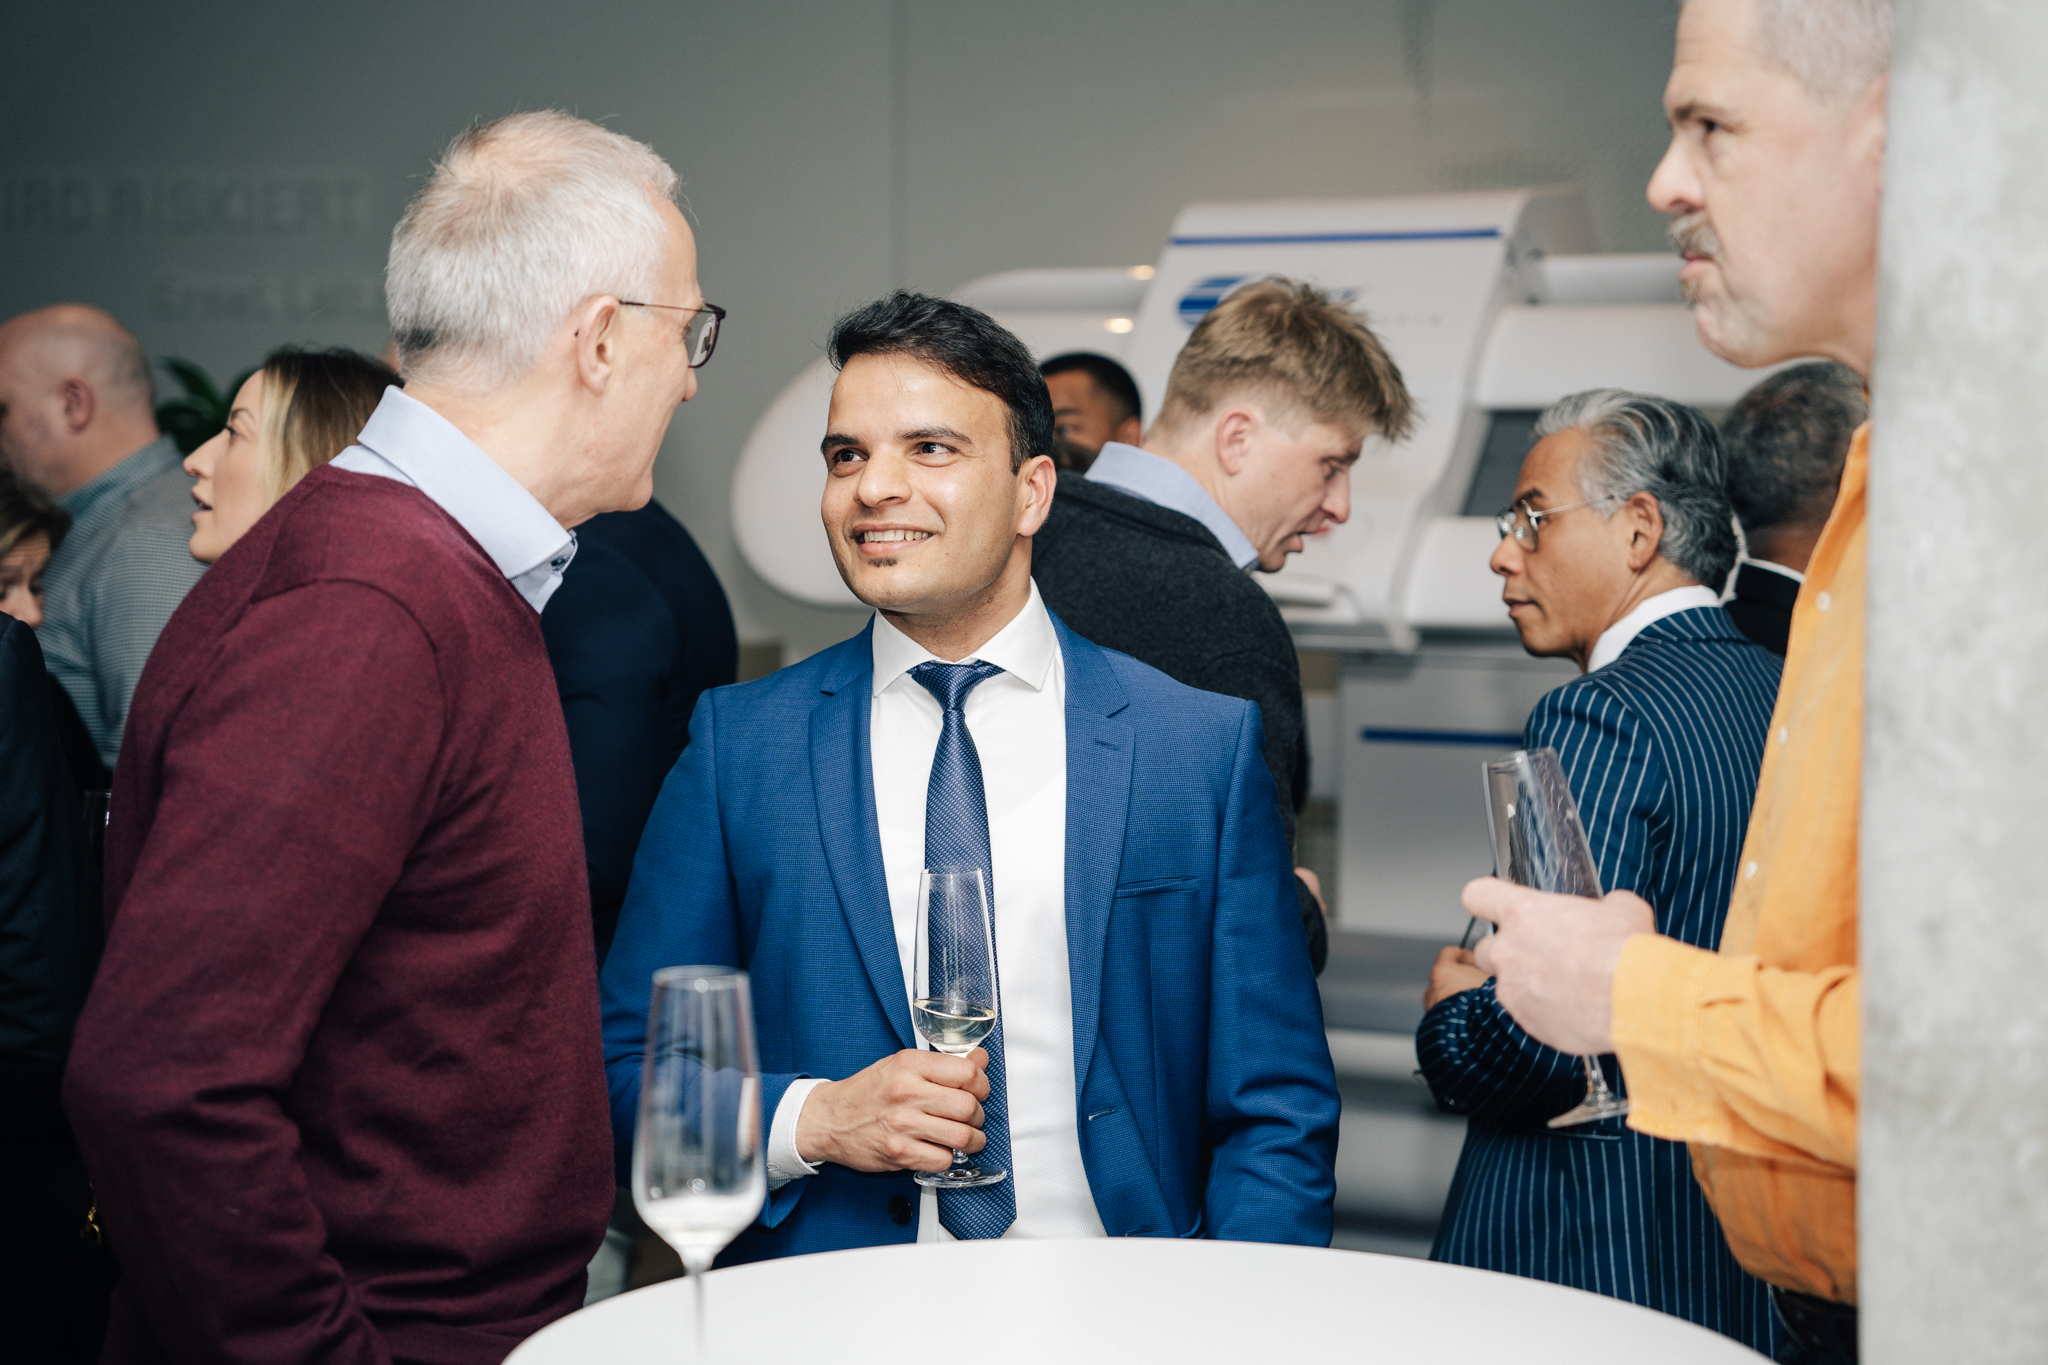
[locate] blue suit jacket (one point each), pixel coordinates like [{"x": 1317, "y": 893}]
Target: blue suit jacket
[
  {"x": 636, "y": 633},
  {"x": 1207, "y": 1103},
  {"x": 1661, "y": 749}
]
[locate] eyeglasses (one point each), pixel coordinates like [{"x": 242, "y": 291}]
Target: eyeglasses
[
  {"x": 1524, "y": 522},
  {"x": 700, "y": 334}
]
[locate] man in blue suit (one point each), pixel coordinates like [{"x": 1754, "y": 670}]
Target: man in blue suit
[
  {"x": 1159, "y": 1067},
  {"x": 1613, "y": 555}
]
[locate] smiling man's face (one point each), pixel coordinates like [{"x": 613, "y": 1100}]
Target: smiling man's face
[{"x": 925, "y": 515}]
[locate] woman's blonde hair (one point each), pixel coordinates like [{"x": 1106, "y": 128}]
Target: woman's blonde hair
[{"x": 314, "y": 406}]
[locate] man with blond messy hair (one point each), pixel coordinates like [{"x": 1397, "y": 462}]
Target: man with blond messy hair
[
  {"x": 1753, "y": 1054},
  {"x": 338, "y": 1083},
  {"x": 1266, "y": 410}
]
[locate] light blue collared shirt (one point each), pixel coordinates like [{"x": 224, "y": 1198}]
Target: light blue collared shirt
[
  {"x": 408, "y": 441},
  {"x": 1160, "y": 481}
]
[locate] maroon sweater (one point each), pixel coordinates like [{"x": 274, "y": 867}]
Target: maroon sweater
[{"x": 339, "y": 1084}]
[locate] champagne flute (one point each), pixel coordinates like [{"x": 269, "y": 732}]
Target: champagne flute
[
  {"x": 1538, "y": 842},
  {"x": 953, "y": 996},
  {"x": 699, "y": 1170}
]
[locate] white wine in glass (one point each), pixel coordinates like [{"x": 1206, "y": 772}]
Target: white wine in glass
[
  {"x": 953, "y": 991},
  {"x": 1538, "y": 842},
  {"x": 699, "y": 1165}
]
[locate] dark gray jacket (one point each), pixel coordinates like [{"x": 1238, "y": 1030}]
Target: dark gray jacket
[
  {"x": 49, "y": 894},
  {"x": 1155, "y": 584}
]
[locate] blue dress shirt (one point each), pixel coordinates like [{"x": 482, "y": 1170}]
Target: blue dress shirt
[{"x": 408, "y": 441}]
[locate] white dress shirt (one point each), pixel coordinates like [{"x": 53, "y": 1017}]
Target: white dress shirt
[
  {"x": 1019, "y": 724},
  {"x": 408, "y": 441},
  {"x": 1159, "y": 480},
  {"x": 1622, "y": 633}
]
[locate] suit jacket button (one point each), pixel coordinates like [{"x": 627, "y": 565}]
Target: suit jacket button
[{"x": 899, "y": 1210}]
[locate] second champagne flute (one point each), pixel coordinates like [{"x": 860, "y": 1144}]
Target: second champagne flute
[
  {"x": 1538, "y": 842},
  {"x": 699, "y": 1173},
  {"x": 953, "y": 994}
]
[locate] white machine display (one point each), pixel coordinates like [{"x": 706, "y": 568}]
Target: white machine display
[{"x": 1493, "y": 310}]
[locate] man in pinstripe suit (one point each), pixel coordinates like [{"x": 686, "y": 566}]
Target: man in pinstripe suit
[{"x": 1613, "y": 555}]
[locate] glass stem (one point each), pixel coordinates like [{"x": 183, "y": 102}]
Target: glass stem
[
  {"x": 1596, "y": 1081},
  {"x": 694, "y": 1267}
]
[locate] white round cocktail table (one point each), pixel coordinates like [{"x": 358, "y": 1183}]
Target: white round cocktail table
[{"x": 1123, "y": 1300}]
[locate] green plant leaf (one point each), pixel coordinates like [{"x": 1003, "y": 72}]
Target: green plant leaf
[{"x": 196, "y": 416}]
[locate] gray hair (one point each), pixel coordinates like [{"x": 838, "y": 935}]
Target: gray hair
[
  {"x": 523, "y": 219},
  {"x": 1834, "y": 47},
  {"x": 1668, "y": 450},
  {"x": 1787, "y": 439}
]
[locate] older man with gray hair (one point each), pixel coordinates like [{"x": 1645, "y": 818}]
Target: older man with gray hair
[
  {"x": 1619, "y": 535},
  {"x": 338, "y": 1084}
]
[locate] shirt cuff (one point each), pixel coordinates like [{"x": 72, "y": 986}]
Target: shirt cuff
[
  {"x": 784, "y": 1164},
  {"x": 1660, "y": 986}
]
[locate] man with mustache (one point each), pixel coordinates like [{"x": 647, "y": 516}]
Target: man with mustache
[{"x": 1752, "y": 1054}]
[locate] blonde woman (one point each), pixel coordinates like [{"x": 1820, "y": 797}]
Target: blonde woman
[{"x": 299, "y": 411}]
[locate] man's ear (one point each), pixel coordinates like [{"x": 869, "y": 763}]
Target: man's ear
[
  {"x": 597, "y": 343},
  {"x": 1130, "y": 431},
  {"x": 1233, "y": 438},
  {"x": 79, "y": 405},
  {"x": 1036, "y": 483},
  {"x": 1645, "y": 519}
]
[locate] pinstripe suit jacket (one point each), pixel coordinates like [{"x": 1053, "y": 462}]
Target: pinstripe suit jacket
[
  {"x": 1661, "y": 749},
  {"x": 1207, "y": 1105}
]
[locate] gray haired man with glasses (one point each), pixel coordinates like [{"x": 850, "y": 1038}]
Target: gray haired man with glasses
[
  {"x": 1612, "y": 556},
  {"x": 338, "y": 1085},
  {"x": 1625, "y": 493}
]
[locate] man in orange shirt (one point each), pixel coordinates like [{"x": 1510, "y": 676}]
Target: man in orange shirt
[{"x": 1752, "y": 1054}]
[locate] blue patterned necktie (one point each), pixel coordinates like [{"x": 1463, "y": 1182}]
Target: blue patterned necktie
[{"x": 956, "y": 835}]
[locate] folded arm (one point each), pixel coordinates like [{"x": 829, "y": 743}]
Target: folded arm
[
  {"x": 1480, "y": 1063},
  {"x": 295, "y": 783}
]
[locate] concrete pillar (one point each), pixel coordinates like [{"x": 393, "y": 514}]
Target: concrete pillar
[{"x": 1954, "y": 1154}]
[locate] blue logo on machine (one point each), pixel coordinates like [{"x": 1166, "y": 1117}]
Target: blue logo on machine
[{"x": 1204, "y": 295}]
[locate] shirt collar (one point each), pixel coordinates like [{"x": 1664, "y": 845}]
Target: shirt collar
[
  {"x": 1622, "y": 633},
  {"x": 158, "y": 457},
  {"x": 1024, "y": 649},
  {"x": 1768, "y": 566},
  {"x": 526, "y": 543},
  {"x": 1160, "y": 481}
]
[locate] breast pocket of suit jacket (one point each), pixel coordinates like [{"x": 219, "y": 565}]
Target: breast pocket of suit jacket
[{"x": 1166, "y": 920}]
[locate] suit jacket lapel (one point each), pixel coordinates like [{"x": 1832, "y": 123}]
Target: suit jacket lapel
[
  {"x": 842, "y": 781},
  {"x": 1099, "y": 754}
]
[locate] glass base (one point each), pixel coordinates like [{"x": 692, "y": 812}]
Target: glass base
[
  {"x": 960, "y": 1177},
  {"x": 1592, "y": 1111}
]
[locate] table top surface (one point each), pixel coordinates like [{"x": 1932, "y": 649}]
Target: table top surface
[{"x": 1127, "y": 1299}]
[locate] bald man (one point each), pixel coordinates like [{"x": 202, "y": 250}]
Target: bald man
[{"x": 76, "y": 417}]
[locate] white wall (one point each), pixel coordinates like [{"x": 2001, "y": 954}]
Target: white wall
[{"x": 224, "y": 177}]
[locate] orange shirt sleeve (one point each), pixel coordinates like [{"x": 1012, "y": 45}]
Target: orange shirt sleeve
[{"x": 1723, "y": 1050}]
